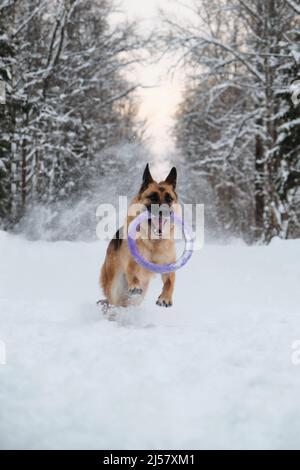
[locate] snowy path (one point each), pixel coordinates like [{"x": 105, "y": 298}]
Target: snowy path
[{"x": 213, "y": 372}]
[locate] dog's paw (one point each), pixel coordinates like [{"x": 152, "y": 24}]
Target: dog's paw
[
  {"x": 135, "y": 291},
  {"x": 164, "y": 302},
  {"x": 104, "y": 304}
]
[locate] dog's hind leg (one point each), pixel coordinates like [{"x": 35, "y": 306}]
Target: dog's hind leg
[
  {"x": 118, "y": 291},
  {"x": 104, "y": 304}
]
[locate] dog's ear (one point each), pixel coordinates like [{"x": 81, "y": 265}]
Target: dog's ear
[
  {"x": 147, "y": 178},
  {"x": 172, "y": 177}
]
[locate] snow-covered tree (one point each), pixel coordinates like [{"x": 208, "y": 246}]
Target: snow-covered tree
[
  {"x": 237, "y": 112},
  {"x": 8, "y": 108},
  {"x": 70, "y": 95},
  {"x": 288, "y": 139}
]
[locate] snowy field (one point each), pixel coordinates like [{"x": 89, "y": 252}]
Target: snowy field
[{"x": 215, "y": 371}]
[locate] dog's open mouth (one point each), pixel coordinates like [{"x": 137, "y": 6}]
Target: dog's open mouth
[{"x": 157, "y": 225}]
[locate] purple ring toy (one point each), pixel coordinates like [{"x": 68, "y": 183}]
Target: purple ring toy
[{"x": 160, "y": 268}]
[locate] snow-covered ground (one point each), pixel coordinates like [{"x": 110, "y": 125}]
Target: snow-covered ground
[{"x": 215, "y": 371}]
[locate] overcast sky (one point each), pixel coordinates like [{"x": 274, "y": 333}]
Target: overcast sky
[{"x": 158, "y": 104}]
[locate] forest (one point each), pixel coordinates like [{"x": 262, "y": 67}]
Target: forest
[
  {"x": 69, "y": 105},
  {"x": 66, "y": 98},
  {"x": 200, "y": 348}
]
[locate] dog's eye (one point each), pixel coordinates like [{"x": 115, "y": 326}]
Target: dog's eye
[
  {"x": 154, "y": 197},
  {"x": 168, "y": 199}
]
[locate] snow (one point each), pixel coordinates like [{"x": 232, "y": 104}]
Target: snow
[
  {"x": 294, "y": 5},
  {"x": 215, "y": 371}
]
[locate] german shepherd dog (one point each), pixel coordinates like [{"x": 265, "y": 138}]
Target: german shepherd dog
[{"x": 123, "y": 280}]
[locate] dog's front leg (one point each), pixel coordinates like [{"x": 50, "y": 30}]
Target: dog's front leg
[
  {"x": 133, "y": 279},
  {"x": 165, "y": 298}
]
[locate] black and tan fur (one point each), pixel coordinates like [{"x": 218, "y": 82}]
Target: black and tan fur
[{"x": 125, "y": 282}]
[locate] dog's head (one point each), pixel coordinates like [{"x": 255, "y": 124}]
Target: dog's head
[
  {"x": 162, "y": 196},
  {"x": 152, "y": 192}
]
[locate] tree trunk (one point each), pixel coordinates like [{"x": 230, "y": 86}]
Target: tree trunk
[{"x": 259, "y": 188}]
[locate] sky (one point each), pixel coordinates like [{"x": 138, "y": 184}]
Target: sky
[{"x": 158, "y": 102}]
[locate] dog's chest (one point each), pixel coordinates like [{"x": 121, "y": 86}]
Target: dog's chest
[{"x": 158, "y": 252}]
